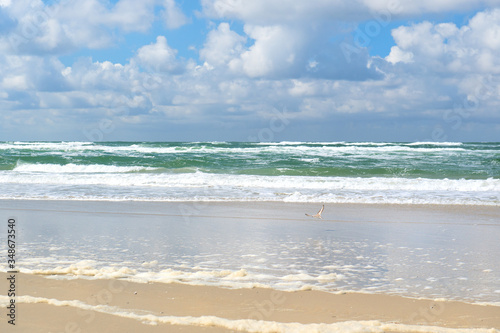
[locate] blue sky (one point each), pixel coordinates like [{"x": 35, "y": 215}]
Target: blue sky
[{"x": 166, "y": 70}]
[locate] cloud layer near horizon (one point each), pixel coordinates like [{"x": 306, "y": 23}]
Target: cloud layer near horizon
[{"x": 306, "y": 63}]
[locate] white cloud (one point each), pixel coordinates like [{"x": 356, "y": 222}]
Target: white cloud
[
  {"x": 158, "y": 57},
  {"x": 446, "y": 48},
  {"x": 277, "y": 50},
  {"x": 264, "y": 12},
  {"x": 411, "y": 7},
  {"x": 398, "y": 55},
  {"x": 173, "y": 15},
  {"x": 130, "y": 15},
  {"x": 286, "y": 39},
  {"x": 15, "y": 82},
  {"x": 222, "y": 45},
  {"x": 37, "y": 28},
  {"x": 281, "y": 51},
  {"x": 485, "y": 30},
  {"x": 284, "y": 56}
]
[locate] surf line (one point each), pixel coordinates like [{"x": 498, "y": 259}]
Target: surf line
[{"x": 247, "y": 325}]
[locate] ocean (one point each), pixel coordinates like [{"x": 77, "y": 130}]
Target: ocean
[
  {"x": 447, "y": 173},
  {"x": 418, "y": 220}
]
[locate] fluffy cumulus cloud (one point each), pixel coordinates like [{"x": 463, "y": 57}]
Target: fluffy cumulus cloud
[
  {"x": 158, "y": 57},
  {"x": 173, "y": 15},
  {"x": 276, "y": 50},
  {"x": 460, "y": 58},
  {"x": 447, "y": 48},
  {"x": 258, "y": 61},
  {"x": 56, "y": 27},
  {"x": 222, "y": 46}
]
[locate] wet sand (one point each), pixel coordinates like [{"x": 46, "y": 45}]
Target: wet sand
[
  {"x": 122, "y": 306},
  {"x": 68, "y": 303}
]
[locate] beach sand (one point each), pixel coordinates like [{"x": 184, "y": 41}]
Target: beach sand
[
  {"x": 47, "y": 312},
  {"x": 112, "y": 303},
  {"x": 65, "y": 304}
]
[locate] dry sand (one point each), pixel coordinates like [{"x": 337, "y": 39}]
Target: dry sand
[{"x": 45, "y": 310}]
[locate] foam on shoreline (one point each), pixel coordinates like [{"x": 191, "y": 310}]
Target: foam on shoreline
[{"x": 246, "y": 325}]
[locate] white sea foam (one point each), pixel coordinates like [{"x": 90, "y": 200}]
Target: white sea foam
[
  {"x": 282, "y": 143},
  {"x": 75, "y": 181},
  {"x": 77, "y": 168},
  {"x": 114, "y": 176},
  {"x": 125, "y": 183},
  {"x": 47, "y": 145},
  {"x": 434, "y": 143},
  {"x": 246, "y": 325},
  {"x": 319, "y": 148},
  {"x": 233, "y": 279},
  {"x": 241, "y": 278},
  {"x": 84, "y": 268}
]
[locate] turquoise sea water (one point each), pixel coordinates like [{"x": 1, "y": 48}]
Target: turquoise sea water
[
  {"x": 366, "y": 172},
  {"x": 431, "y": 252}
]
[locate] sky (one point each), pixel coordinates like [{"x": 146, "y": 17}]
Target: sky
[{"x": 240, "y": 70}]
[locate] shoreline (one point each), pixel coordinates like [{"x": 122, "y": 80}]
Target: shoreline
[
  {"x": 239, "y": 201},
  {"x": 11, "y": 203},
  {"x": 178, "y": 307}
]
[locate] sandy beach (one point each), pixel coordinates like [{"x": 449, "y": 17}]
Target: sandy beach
[
  {"x": 49, "y": 305},
  {"x": 63, "y": 287}
]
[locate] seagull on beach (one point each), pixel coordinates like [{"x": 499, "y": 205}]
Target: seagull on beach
[{"x": 318, "y": 215}]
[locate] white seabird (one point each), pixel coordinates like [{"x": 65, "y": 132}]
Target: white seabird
[{"x": 318, "y": 215}]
